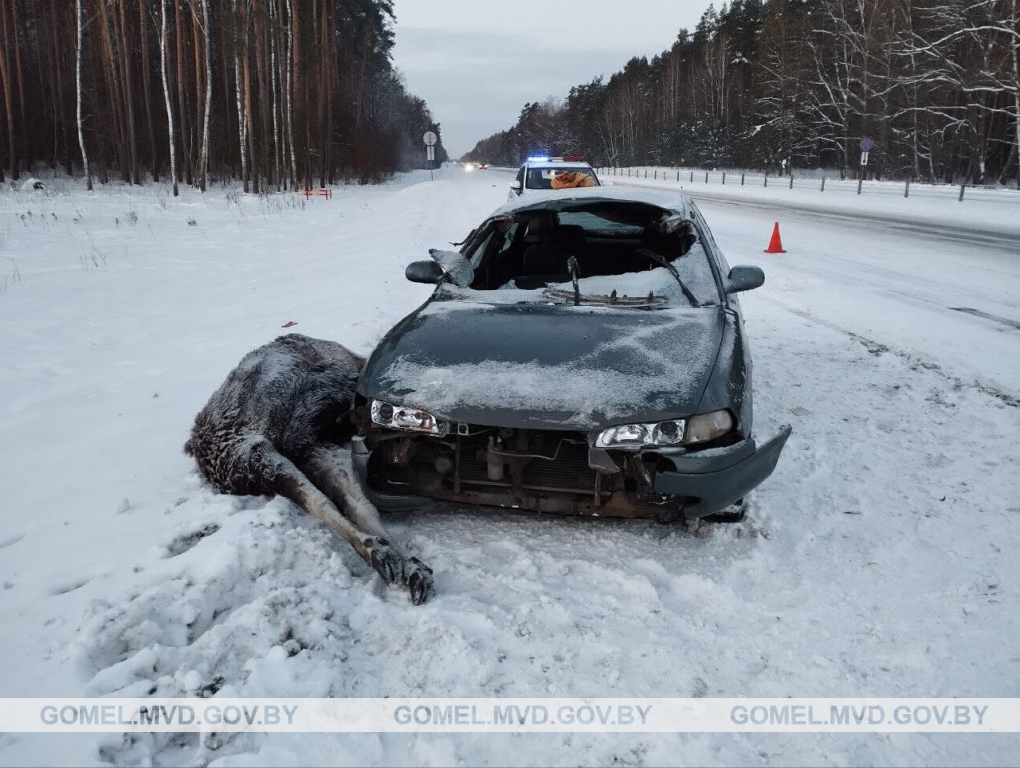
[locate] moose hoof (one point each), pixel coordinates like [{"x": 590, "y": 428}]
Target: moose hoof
[
  {"x": 388, "y": 563},
  {"x": 418, "y": 578}
]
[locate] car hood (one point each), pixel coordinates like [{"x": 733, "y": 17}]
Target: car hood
[{"x": 545, "y": 366}]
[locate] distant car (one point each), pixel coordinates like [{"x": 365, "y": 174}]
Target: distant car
[
  {"x": 545, "y": 173},
  {"x": 468, "y": 167},
  {"x": 483, "y": 166},
  {"x": 583, "y": 353}
]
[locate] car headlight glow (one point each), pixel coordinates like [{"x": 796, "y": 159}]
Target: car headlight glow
[
  {"x": 636, "y": 436},
  {"x": 708, "y": 426},
  {"x": 404, "y": 417}
]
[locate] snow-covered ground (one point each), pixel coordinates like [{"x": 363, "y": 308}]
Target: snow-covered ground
[{"x": 879, "y": 560}]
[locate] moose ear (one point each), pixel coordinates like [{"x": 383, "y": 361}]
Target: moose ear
[{"x": 457, "y": 268}]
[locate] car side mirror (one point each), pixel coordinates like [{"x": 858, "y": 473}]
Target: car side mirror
[
  {"x": 515, "y": 186},
  {"x": 424, "y": 272},
  {"x": 744, "y": 277},
  {"x": 459, "y": 269}
]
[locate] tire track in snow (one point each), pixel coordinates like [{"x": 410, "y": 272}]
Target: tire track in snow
[{"x": 914, "y": 361}]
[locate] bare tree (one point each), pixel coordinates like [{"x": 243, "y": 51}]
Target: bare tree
[
  {"x": 143, "y": 35},
  {"x": 204, "y": 157},
  {"x": 276, "y": 62},
  {"x": 273, "y": 88},
  {"x": 241, "y": 109},
  {"x": 971, "y": 48},
  {"x": 129, "y": 94},
  {"x": 166, "y": 94},
  {"x": 5, "y": 75},
  {"x": 288, "y": 91},
  {"x": 79, "y": 56}
]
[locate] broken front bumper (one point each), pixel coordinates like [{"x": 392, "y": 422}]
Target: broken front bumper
[
  {"x": 693, "y": 484},
  {"x": 712, "y": 479}
]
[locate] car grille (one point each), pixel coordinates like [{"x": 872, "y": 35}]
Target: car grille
[{"x": 569, "y": 471}]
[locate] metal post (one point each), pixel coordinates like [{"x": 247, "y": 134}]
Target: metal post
[
  {"x": 962, "y": 188},
  {"x": 678, "y": 176},
  {"x": 706, "y": 177},
  {"x": 742, "y": 179},
  {"x": 646, "y": 173},
  {"x": 791, "y": 178},
  {"x": 766, "y": 177},
  {"x": 906, "y": 189},
  {"x": 860, "y": 183},
  {"x": 724, "y": 178}
]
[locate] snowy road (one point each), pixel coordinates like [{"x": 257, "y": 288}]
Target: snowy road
[
  {"x": 940, "y": 295},
  {"x": 878, "y": 560}
]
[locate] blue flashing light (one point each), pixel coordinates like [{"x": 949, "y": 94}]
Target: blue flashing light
[{"x": 538, "y": 159}]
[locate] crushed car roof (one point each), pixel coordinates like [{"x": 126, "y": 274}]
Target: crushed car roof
[{"x": 672, "y": 200}]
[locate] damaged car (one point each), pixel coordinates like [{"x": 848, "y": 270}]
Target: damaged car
[{"x": 583, "y": 353}]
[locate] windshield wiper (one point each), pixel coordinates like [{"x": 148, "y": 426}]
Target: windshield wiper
[
  {"x": 663, "y": 262},
  {"x": 575, "y": 272}
]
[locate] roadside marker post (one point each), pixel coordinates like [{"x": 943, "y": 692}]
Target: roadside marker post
[
  {"x": 867, "y": 144},
  {"x": 430, "y": 140}
]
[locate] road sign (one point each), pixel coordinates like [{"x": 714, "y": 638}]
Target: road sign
[
  {"x": 864, "y": 158},
  {"x": 430, "y": 139},
  {"x": 867, "y": 144},
  {"x": 431, "y": 152}
]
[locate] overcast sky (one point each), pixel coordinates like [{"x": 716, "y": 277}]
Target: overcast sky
[{"x": 476, "y": 62}]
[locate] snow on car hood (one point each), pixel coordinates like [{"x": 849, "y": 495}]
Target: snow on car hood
[{"x": 546, "y": 366}]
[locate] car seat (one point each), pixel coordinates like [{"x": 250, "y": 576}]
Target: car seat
[{"x": 546, "y": 261}]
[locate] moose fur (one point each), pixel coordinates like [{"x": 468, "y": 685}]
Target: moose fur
[{"x": 276, "y": 427}]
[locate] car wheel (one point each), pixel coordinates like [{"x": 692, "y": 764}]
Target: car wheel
[{"x": 732, "y": 514}]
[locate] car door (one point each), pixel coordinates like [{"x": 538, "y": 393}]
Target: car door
[{"x": 520, "y": 182}]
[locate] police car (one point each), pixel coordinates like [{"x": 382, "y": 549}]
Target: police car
[{"x": 540, "y": 173}]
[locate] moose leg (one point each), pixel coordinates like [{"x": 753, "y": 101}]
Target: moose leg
[
  {"x": 285, "y": 479},
  {"x": 331, "y": 468}
]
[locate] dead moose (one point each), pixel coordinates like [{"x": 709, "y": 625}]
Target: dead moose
[{"x": 277, "y": 426}]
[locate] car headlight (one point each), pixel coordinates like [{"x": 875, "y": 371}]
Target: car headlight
[
  {"x": 404, "y": 417},
  {"x": 636, "y": 436},
  {"x": 708, "y": 426}
]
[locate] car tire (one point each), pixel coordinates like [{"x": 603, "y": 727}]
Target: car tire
[{"x": 735, "y": 513}]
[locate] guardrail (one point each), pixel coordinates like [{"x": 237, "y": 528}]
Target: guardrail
[{"x": 824, "y": 184}]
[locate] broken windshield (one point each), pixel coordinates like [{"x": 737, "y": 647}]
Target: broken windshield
[
  {"x": 648, "y": 288},
  {"x": 621, "y": 254}
]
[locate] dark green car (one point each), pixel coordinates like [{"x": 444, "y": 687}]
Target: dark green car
[{"x": 583, "y": 353}]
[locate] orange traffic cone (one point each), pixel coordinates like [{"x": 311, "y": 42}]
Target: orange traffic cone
[{"x": 776, "y": 243}]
